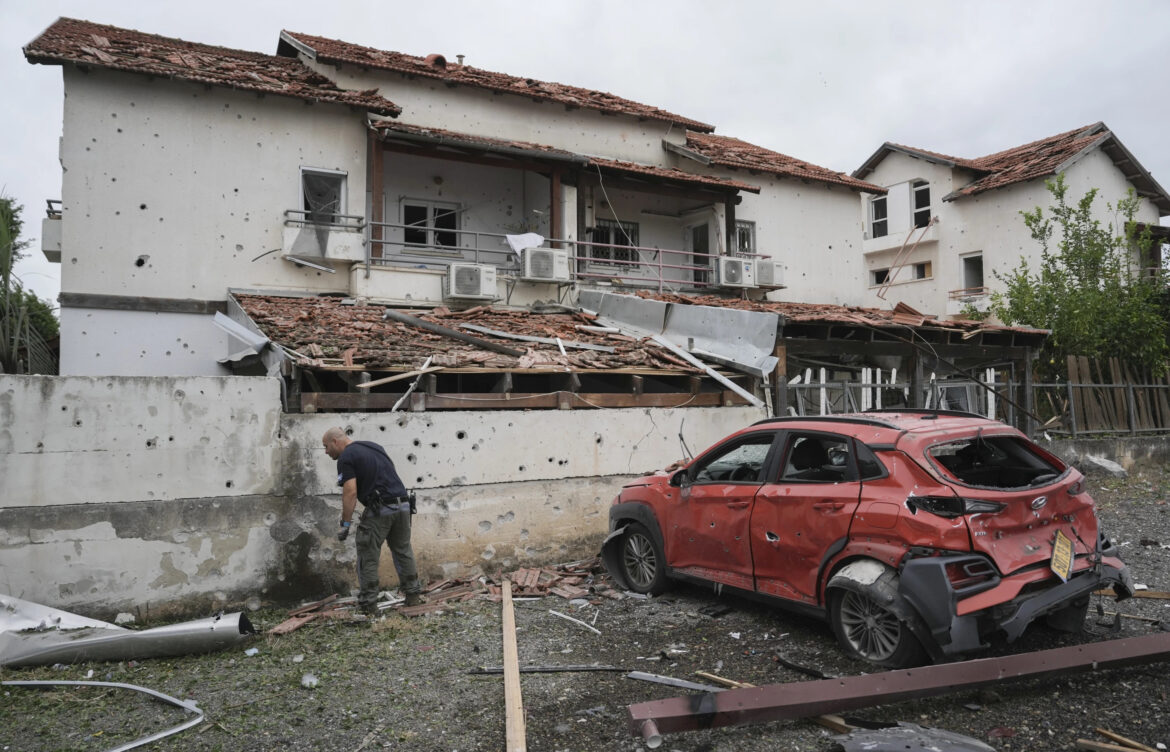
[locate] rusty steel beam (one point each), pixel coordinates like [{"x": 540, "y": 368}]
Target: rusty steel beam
[{"x": 779, "y": 702}]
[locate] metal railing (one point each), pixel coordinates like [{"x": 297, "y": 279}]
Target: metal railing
[
  {"x": 632, "y": 265},
  {"x": 969, "y": 293},
  {"x": 324, "y": 220}
]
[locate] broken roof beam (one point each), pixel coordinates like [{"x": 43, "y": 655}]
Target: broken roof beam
[
  {"x": 409, "y": 320},
  {"x": 539, "y": 340},
  {"x": 803, "y": 699}
]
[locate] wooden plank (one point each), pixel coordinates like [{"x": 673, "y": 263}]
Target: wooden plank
[
  {"x": 1124, "y": 741},
  {"x": 513, "y": 703},
  {"x": 344, "y": 401},
  {"x": 312, "y": 606},
  {"x": 540, "y": 340},
  {"x": 1092, "y": 746},
  {"x": 292, "y": 624},
  {"x": 398, "y": 377}
]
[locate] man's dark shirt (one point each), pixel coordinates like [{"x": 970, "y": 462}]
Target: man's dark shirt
[{"x": 369, "y": 464}]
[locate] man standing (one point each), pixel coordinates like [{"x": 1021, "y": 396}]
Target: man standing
[{"x": 366, "y": 474}]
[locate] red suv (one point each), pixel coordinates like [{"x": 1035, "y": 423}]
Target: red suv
[{"x": 916, "y": 534}]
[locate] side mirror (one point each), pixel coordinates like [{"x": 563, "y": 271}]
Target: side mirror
[{"x": 680, "y": 479}]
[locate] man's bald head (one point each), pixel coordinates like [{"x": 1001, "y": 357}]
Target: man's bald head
[{"x": 334, "y": 441}]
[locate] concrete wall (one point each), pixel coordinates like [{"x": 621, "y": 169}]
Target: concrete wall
[{"x": 173, "y": 495}]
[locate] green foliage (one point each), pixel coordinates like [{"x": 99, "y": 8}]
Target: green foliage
[
  {"x": 27, "y": 323},
  {"x": 1088, "y": 290}
]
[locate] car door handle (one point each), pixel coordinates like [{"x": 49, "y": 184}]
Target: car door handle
[
  {"x": 738, "y": 504},
  {"x": 829, "y": 504}
]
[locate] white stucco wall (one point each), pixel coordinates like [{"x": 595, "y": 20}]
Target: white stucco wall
[
  {"x": 464, "y": 109},
  {"x": 989, "y": 223},
  {"x": 140, "y": 343},
  {"x": 193, "y": 181}
]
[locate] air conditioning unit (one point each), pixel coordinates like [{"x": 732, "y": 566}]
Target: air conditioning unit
[
  {"x": 736, "y": 272},
  {"x": 769, "y": 274},
  {"x": 470, "y": 282},
  {"x": 545, "y": 265}
]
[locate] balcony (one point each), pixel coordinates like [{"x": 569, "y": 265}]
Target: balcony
[
  {"x": 899, "y": 239},
  {"x": 959, "y": 300},
  {"x": 323, "y": 241},
  {"x": 51, "y": 231}
]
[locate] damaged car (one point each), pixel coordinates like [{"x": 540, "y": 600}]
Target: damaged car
[{"x": 917, "y": 534}]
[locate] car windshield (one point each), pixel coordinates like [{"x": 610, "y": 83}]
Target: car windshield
[{"x": 994, "y": 462}]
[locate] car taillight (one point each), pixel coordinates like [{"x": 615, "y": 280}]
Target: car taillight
[
  {"x": 952, "y": 506},
  {"x": 964, "y": 574}
]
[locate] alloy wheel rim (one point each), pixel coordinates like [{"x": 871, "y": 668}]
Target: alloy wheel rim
[
  {"x": 640, "y": 561},
  {"x": 869, "y": 629}
]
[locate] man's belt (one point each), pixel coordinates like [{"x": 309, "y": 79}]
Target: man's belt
[{"x": 378, "y": 501}]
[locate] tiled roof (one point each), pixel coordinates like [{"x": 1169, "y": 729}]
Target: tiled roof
[
  {"x": 324, "y": 329},
  {"x": 1035, "y": 160},
  {"x": 440, "y": 136},
  {"x": 731, "y": 152},
  {"x": 437, "y": 67},
  {"x": 811, "y": 313},
  {"x": 90, "y": 44}
]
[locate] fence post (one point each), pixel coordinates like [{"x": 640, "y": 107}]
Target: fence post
[
  {"x": 1131, "y": 409},
  {"x": 1072, "y": 412}
]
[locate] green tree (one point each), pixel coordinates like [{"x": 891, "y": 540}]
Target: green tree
[
  {"x": 27, "y": 323},
  {"x": 1088, "y": 290}
]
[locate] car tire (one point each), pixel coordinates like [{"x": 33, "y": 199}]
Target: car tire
[
  {"x": 871, "y": 633},
  {"x": 642, "y": 561}
]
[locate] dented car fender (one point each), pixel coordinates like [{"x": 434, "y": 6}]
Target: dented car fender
[
  {"x": 880, "y": 582},
  {"x": 620, "y": 516}
]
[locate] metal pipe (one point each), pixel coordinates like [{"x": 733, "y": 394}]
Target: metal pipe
[
  {"x": 403, "y": 318},
  {"x": 190, "y": 707},
  {"x": 804, "y": 699}
]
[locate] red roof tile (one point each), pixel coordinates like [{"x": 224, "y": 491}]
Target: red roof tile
[
  {"x": 85, "y": 43},
  {"x": 1035, "y": 160},
  {"x": 442, "y": 136},
  {"x": 437, "y": 67},
  {"x": 731, "y": 152},
  {"x": 322, "y": 328}
]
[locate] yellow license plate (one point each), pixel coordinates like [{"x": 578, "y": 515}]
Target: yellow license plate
[{"x": 1062, "y": 556}]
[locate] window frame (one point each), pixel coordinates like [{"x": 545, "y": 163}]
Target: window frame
[
  {"x": 918, "y": 188},
  {"x": 431, "y": 246},
  {"x": 335, "y": 217},
  {"x": 757, "y": 438},
  {"x": 874, "y": 220},
  {"x": 630, "y": 232},
  {"x": 748, "y": 227}
]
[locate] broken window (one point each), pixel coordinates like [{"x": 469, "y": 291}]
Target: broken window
[
  {"x": 323, "y": 196},
  {"x": 610, "y": 232},
  {"x": 745, "y": 237},
  {"x": 430, "y": 224},
  {"x": 878, "y": 223},
  {"x": 741, "y": 462},
  {"x": 921, "y": 191},
  {"x": 973, "y": 271},
  {"x": 817, "y": 458},
  {"x": 994, "y": 462}
]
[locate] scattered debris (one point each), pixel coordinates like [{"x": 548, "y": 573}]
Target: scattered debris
[
  {"x": 907, "y": 736},
  {"x": 187, "y": 705},
  {"x": 544, "y": 669},
  {"x": 309, "y": 681},
  {"x": 594, "y": 630},
  {"x": 1123, "y": 741},
  {"x": 813, "y": 672},
  {"x": 672, "y": 682}
]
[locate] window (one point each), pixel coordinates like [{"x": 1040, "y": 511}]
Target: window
[
  {"x": 817, "y": 458},
  {"x": 879, "y": 276},
  {"x": 745, "y": 237},
  {"x": 611, "y": 232},
  {"x": 430, "y": 224},
  {"x": 973, "y": 272},
  {"x": 323, "y": 196},
  {"x": 921, "y": 192},
  {"x": 741, "y": 462},
  {"x": 921, "y": 270},
  {"x": 878, "y": 223}
]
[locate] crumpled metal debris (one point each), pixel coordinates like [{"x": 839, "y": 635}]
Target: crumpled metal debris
[
  {"x": 906, "y": 737},
  {"x": 34, "y": 635}
]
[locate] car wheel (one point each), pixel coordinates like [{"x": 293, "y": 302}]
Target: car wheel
[
  {"x": 642, "y": 561},
  {"x": 871, "y": 633}
]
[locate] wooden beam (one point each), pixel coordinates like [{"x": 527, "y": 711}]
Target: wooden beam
[
  {"x": 398, "y": 377},
  {"x": 515, "y": 740},
  {"x": 344, "y": 401}
]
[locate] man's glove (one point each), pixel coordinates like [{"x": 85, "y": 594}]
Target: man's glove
[{"x": 344, "y": 532}]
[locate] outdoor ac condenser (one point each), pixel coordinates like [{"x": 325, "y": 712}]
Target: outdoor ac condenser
[
  {"x": 769, "y": 274},
  {"x": 470, "y": 282},
  {"x": 736, "y": 272},
  {"x": 545, "y": 265}
]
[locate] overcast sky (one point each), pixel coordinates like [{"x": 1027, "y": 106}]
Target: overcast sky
[{"x": 826, "y": 81}]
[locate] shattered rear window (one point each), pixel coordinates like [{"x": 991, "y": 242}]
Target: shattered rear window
[{"x": 994, "y": 462}]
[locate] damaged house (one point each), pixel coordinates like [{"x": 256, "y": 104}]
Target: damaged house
[{"x": 454, "y": 262}]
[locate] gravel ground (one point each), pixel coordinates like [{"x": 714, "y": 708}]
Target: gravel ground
[{"x": 399, "y": 683}]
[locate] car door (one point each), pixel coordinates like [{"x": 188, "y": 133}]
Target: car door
[
  {"x": 707, "y": 534},
  {"x": 802, "y": 515}
]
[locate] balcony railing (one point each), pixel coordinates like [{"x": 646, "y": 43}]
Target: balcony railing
[
  {"x": 635, "y": 266},
  {"x": 969, "y": 294}
]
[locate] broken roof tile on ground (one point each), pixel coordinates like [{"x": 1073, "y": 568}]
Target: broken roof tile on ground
[{"x": 324, "y": 329}]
